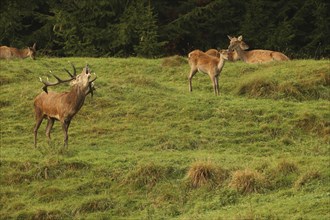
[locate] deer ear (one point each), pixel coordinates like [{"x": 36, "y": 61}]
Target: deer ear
[
  {"x": 229, "y": 37},
  {"x": 240, "y": 38},
  {"x": 34, "y": 46}
]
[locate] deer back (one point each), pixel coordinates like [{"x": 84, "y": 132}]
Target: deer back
[
  {"x": 213, "y": 52},
  {"x": 12, "y": 52},
  {"x": 60, "y": 105},
  {"x": 203, "y": 62},
  {"x": 264, "y": 56}
]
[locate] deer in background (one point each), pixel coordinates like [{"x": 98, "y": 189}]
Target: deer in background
[
  {"x": 200, "y": 61},
  {"x": 232, "y": 55},
  {"x": 12, "y": 53},
  {"x": 62, "y": 106},
  {"x": 254, "y": 56}
]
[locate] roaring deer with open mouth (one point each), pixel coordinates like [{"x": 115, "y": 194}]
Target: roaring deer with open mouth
[
  {"x": 254, "y": 56},
  {"x": 12, "y": 52},
  {"x": 62, "y": 106}
]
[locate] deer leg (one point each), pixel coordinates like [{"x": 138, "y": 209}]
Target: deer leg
[
  {"x": 36, "y": 127},
  {"x": 49, "y": 127},
  {"x": 191, "y": 75},
  {"x": 213, "y": 79},
  {"x": 65, "y": 126},
  {"x": 217, "y": 85}
]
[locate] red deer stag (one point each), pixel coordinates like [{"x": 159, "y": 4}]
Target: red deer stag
[
  {"x": 200, "y": 61},
  {"x": 62, "y": 106},
  {"x": 11, "y": 52},
  {"x": 254, "y": 56}
]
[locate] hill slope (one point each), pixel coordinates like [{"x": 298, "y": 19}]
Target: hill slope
[{"x": 146, "y": 148}]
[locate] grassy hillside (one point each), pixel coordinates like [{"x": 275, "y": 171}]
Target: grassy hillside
[{"x": 145, "y": 148}]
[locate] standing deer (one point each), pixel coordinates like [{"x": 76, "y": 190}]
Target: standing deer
[
  {"x": 62, "y": 106},
  {"x": 200, "y": 61},
  {"x": 254, "y": 56},
  {"x": 11, "y": 52}
]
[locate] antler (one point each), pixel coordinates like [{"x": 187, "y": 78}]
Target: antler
[
  {"x": 59, "y": 80},
  {"x": 74, "y": 71}
]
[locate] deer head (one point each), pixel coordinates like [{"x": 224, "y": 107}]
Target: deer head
[
  {"x": 81, "y": 80},
  {"x": 237, "y": 42},
  {"x": 32, "y": 51}
]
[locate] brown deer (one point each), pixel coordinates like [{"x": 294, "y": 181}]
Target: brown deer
[
  {"x": 62, "y": 106},
  {"x": 232, "y": 55},
  {"x": 12, "y": 53},
  {"x": 200, "y": 61},
  {"x": 254, "y": 56}
]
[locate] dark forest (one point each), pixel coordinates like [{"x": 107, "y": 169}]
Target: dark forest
[{"x": 157, "y": 28}]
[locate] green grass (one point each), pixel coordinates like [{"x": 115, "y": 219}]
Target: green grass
[{"x": 145, "y": 148}]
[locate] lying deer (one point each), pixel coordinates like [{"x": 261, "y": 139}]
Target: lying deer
[
  {"x": 254, "y": 56},
  {"x": 200, "y": 61},
  {"x": 232, "y": 55},
  {"x": 62, "y": 106},
  {"x": 11, "y": 52}
]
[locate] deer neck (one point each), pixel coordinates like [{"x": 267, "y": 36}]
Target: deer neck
[
  {"x": 221, "y": 63},
  {"x": 76, "y": 97},
  {"x": 23, "y": 53},
  {"x": 241, "y": 53}
]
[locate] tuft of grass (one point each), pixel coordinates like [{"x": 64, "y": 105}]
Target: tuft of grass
[
  {"x": 310, "y": 122},
  {"x": 50, "y": 194},
  {"x": 146, "y": 175},
  {"x": 203, "y": 173},
  {"x": 259, "y": 86},
  {"x": 94, "y": 205},
  {"x": 306, "y": 178},
  {"x": 41, "y": 214},
  {"x": 285, "y": 167},
  {"x": 174, "y": 61},
  {"x": 292, "y": 84},
  {"x": 248, "y": 181}
]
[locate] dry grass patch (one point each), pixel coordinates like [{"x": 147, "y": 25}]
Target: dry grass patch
[
  {"x": 306, "y": 178},
  {"x": 310, "y": 122},
  {"x": 94, "y": 205},
  {"x": 41, "y": 214},
  {"x": 205, "y": 173},
  {"x": 287, "y": 167},
  {"x": 174, "y": 61},
  {"x": 248, "y": 181},
  {"x": 257, "y": 87},
  {"x": 146, "y": 175}
]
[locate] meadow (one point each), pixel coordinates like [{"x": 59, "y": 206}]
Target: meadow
[{"x": 143, "y": 147}]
